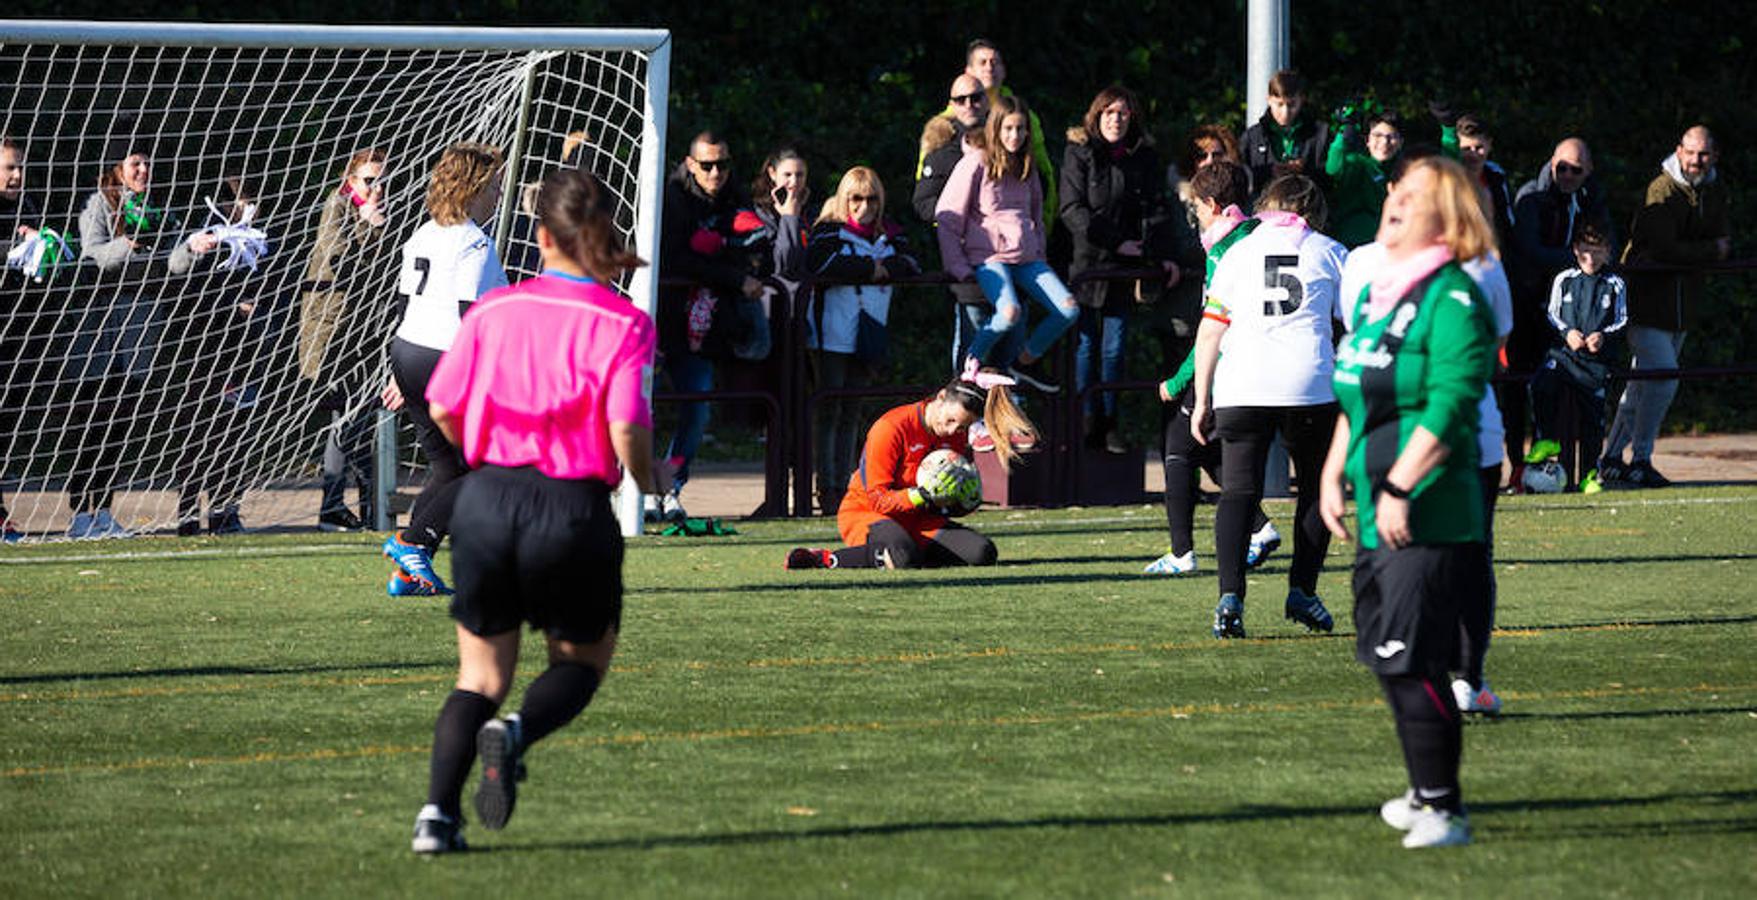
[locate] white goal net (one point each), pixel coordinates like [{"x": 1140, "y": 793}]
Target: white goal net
[{"x": 203, "y": 225}]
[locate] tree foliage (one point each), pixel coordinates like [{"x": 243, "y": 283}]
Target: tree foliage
[{"x": 851, "y": 84}]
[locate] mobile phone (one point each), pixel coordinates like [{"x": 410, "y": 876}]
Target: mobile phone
[{"x": 780, "y": 195}]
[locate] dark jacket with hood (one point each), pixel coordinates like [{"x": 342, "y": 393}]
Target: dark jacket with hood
[
  {"x": 16, "y": 213},
  {"x": 1266, "y": 145},
  {"x": 1678, "y": 224},
  {"x": 942, "y": 145},
  {"x": 1111, "y": 194},
  {"x": 1545, "y": 222},
  {"x": 697, "y": 242}
]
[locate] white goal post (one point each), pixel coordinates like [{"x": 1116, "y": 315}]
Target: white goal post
[{"x": 146, "y": 376}]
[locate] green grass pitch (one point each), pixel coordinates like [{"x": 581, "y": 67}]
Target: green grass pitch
[{"x": 250, "y": 717}]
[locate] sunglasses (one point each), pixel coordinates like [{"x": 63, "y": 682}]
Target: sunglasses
[
  {"x": 1563, "y": 168},
  {"x": 369, "y": 180},
  {"x": 862, "y": 198},
  {"x": 967, "y": 99},
  {"x": 714, "y": 165}
]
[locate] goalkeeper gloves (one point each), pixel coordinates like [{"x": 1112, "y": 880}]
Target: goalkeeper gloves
[{"x": 943, "y": 487}]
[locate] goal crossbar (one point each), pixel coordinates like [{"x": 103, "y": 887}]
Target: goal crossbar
[{"x": 360, "y": 37}]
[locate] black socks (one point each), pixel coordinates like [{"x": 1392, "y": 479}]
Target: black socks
[
  {"x": 454, "y": 748},
  {"x": 554, "y": 699},
  {"x": 1429, "y": 729}
]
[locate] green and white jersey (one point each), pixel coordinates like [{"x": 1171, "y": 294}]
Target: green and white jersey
[
  {"x": 1424, "y": 363},
  {"x": 1186, "y": 372},
  {"x": 1238, "y": 233}
]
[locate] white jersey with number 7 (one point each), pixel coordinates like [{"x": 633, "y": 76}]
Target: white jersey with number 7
[
  {"x": 445, "y": 268},
  {"x": 1276, "y": 291}
]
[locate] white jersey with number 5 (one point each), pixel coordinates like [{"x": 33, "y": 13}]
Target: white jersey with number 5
[
  {"x": 1276, "y": 291},
  {"x": 445, "y": 268}
]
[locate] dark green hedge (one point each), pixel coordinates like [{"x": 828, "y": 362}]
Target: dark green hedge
[{"x": 851, "y": 83}]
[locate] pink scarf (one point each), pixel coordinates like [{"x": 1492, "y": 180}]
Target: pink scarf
[
  {"x": 864, "y": 232},
  {"x": 1397, "y": 278},
  {"x": 1276, "y": 218},
  {"x": 1229, "y": 219}
]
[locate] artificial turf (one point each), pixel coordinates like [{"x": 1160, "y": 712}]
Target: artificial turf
[{"x": 250, "y": 717}]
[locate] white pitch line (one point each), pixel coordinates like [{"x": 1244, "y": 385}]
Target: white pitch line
[
  {"x": 1146, "y": 516},
  {"x": 215, "y": 553}
]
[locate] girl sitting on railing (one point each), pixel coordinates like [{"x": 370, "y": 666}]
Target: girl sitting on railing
[{"x": 990, "y": 222}]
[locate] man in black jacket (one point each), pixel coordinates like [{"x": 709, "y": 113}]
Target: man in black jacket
[
  {"x": 700, "y": 321},
  {"x": 1548, "y": 215}
]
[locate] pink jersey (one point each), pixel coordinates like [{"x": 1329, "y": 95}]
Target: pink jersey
[{"x": 538, "y": 372}]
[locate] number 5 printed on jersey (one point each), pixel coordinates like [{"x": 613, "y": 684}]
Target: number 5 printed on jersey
[{"x": 1278, "y": 272}]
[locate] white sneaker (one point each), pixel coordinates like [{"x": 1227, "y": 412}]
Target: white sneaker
[
  {"x": 1263, "y": 543},
  {"x": 1437, "y": 828},
  {"x": 1483, "y": 701},
  {"x": 651, "y": 510},
  {"x": 671, "y": 508},
  {"x": 1400, "y": 811},
  {"x": 1171, "y": 564},
  {"x": 81, "y": 528}
]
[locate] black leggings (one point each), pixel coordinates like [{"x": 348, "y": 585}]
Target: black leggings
[
  {"x": 889, "y": 546},
  {"x": 1246, "y": 432},
  {"x": 1183, "y": 457},
  {"x": 100, "y": 415},
  {"x": 429, "y": 522},
  {"x": 1526, "y": 347},
  {"x": 1476, "y": 614}
]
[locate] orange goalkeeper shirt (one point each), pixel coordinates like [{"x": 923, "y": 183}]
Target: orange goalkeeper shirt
[{"x": 879, "y": 488}]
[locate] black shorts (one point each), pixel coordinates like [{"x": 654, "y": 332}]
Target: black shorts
[
  {"x": 530, "y": 548},
  {"x": 1406, "y": 605}
]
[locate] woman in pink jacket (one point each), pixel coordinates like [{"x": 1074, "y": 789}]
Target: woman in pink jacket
[{"x": 990, "y": 220}]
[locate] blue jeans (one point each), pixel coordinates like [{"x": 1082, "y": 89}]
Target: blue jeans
[
  {"x": 1107, "y": 333},
  {"x": 1000, "y": 283},
  {"x": 1644, "y": 402},
  {"x": 688, "y": 372},
  {"x": 972, "y": 319}
]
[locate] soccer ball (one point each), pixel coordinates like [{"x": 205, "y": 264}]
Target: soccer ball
[
  {"x": 967, "y": 498},
  {"x": 1546, "y": 477}
]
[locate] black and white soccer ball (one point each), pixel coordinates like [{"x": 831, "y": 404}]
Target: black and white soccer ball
[{"x": 967, "y": 496}]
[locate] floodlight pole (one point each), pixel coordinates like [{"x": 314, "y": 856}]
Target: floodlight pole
[{"x": 1268, "y": 49}]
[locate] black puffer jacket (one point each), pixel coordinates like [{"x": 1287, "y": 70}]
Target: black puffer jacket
[
  {"x": 690, "y": 212},
  {"x": 1108, "y": 198},
  {"x": 1545, "y": 223},
  {"x": 1266, "y": 145}
]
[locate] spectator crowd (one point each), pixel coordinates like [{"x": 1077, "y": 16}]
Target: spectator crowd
[{"x": 1028, "y": 239}]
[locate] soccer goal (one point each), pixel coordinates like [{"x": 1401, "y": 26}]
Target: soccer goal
[{"x": 207, "y": 336}]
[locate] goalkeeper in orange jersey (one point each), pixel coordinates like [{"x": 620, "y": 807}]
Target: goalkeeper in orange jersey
[{"x": 886, "y": 519}]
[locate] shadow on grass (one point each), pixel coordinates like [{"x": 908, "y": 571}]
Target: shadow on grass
[
  {"x": 1251, "y": 813},
  {"x": 1676, "y": 622},
  {"x": 218, "y": 671},
  {"x": 821, "y": 533},
  {"x": 1684, "y": 712}
]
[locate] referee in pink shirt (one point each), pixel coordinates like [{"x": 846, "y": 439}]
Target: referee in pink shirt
[{"x": 542, "y": 391}]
